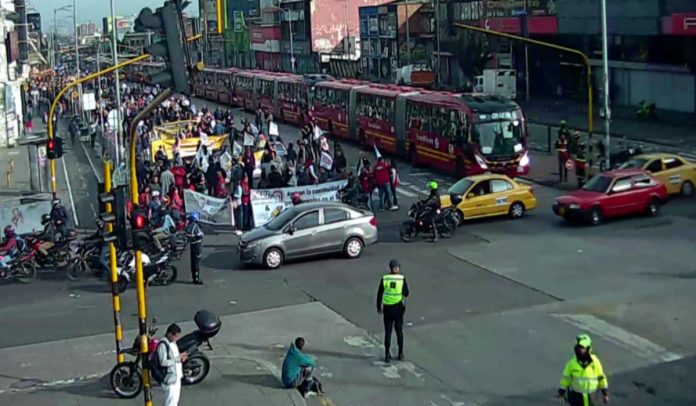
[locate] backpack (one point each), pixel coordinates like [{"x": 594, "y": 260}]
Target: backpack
[{"x": 157, "y": 371}]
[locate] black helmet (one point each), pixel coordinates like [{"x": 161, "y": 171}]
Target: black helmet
[{"x": 45, "y": 218}]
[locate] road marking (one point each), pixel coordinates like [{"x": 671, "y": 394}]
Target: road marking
[
  {"x": 404, "y": 183},
  {"x": 616, "y": 335},
  {"x": 94, "y": 169},
  {"x": 420, "y": 174},
  {"x": 405, "y": 192},
  {"x": 70, "y": 194}
]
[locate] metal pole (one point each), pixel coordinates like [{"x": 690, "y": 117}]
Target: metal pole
[
  {"x": 51, "y": 111},
  {"x": 99, "y": 94},
  {"x": 345, "y": 11},
  {"x": 118, "y": 132},
  {"x": 116, "y": 300},
  {"x": 584, "y": 58},
  {"x": 77, "y": 59},
  {"x": 408, "y": 36},
  {"x": 139, "y": 278},
  {"x": 605, "y": 68},
  {"x": 292, "y": 46},
  {"x": 437, "y": 39},
  {"x": 526, "y": 54}
]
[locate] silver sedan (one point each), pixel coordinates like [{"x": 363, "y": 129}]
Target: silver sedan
[{"x": 309, "y": 229}]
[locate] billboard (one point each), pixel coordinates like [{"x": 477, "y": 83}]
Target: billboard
[{"x": 124, "y": 25}]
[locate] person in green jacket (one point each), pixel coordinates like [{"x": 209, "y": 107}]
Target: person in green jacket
[{"x": 297, "y": 369}]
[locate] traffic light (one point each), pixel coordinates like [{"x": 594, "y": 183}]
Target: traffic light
[
  {"x": 116, "y": 217},
  {"x": 54, "y": 148},
  {"x": 166, "y": 22},
  {"x": 140, "y": 229}
]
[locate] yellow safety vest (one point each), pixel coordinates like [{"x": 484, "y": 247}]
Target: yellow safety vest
[
  {"x": 393, "y": 287},
  {"x": 585, "y": 380}
]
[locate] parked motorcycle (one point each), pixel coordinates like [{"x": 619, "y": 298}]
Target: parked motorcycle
[
  {"x": 20, "y": 269},
  {"x": 617, "y": 158},
  {"x": 157, "y": 272},
  {"x": 445, "y": 221},
  {"x": 359, "y": 202},
  {"x": 126, "y": 378}
]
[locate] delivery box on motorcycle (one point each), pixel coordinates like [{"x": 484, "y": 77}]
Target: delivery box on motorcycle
[{"x": 208, "y": 323}]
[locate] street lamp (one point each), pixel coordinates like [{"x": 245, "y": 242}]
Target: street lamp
[{"x": 292, "y": 48}]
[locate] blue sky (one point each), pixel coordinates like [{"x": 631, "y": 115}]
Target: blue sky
[{"x": 95, "y": 10}]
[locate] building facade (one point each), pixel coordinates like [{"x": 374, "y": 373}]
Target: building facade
[
  {"x": 12, "y": 75},
  {"x": 242, "y": 16}
]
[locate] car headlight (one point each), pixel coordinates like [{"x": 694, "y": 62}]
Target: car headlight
[
  {"x": 524, "y": 161},
  {"x": 574, "y": 206},
  {"x": 251, "y": 244},
  {"x": 481, "y": 162}
]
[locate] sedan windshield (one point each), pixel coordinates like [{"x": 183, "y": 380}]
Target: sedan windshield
[
  {"x": 460, "y": 187},
  {"x": 282, "y": 219},
  {"x": 598, "y": 184},
  {"x": 634, "y": 163}
]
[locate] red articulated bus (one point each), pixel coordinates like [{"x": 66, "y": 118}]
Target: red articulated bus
[
  {"x": 266, "y": 90},
  {"x": 292, "y": 94},
  {"x": 379, "y": 111},
  {"x": 244, "y": 89},
  {"x": 466, "y": 134},
  {"x": 331, "y": 105}
]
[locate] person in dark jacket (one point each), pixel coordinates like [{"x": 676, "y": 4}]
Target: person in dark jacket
[
  {"x": 275, "y": 179},
  {"x": 297, "y": 369}
]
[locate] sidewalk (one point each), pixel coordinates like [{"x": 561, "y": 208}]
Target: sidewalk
[
  {"x": 247, "y": 356},
  {"x": 662, "y": 131}
]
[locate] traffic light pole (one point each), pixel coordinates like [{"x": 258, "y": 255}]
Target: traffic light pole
[
  {"x": 118, "y": 329},
  {"x": 139, "y": 277},
  {"x": 52, "y": 110}
]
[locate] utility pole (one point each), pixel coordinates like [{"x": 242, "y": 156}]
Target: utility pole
[
  {"x": 408, "y": 35},
  {"x": 77, "y": 58},
  {"x": 345, "y": 11},
  {"x": 605, "y": 68},
  {"x": 114, "y": 48},
  {"x": 99, "y": 94},
  {"x": 437, "y": 39},
  {"x": 292, "y": 46},
  {"x": 526, "y": 52}
]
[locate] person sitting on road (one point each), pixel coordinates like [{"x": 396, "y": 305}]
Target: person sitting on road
[
  {"x": 297, "y": 370},
  {"x": 431, "y": 204}
]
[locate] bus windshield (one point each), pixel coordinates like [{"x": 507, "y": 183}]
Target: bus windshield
[{"x": 499, "y": 138}]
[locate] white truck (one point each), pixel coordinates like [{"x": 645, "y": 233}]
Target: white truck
[{"x": 500, "y": 82}]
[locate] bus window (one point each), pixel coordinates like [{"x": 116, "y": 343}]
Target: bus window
[
  {"x": 378, "y": 108},
  {"x": 419, "y": 117},
  {"x": 266, "y": 88}
]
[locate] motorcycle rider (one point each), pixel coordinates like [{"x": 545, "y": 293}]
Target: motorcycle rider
[
  {"x": 8, "y": 250},
  {"x": 59, "y": 217},
  {"x": 195, "y": 236},
  {"x": 351, "y": 191},
  {"x": 166, "y": 228},
  {"x": 431, "y": 205}
]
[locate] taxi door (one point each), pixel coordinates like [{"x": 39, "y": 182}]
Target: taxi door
[
  {"x": 657, "y": 169},
  {"x": 671, "y": 174},
  {"x": 479, "y": 200}
]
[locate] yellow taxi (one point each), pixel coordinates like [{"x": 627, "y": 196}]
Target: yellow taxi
[
  {"x": 489, "y": 195},
  {"x": 678, "y": 174}
]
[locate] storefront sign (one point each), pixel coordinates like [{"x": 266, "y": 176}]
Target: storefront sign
[
  {"x": 679, "y": 24},
  {"x": 265, "y": 39}
]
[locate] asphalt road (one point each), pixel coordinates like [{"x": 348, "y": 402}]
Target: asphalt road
[{"x": 493, "y": 312}]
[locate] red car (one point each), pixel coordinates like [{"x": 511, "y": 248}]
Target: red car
[{"x": 617, "y": 193}]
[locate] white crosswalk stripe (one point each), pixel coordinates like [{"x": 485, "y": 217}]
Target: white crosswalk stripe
[{"x": 405, "y": 192}]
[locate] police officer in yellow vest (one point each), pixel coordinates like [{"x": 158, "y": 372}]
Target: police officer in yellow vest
[
  {"x": 583, "y": 375},
  {"x": 390, "y": 302}
]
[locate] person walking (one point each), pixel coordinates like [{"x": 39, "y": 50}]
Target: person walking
[
  {"x": 562, "y": 152},
  {"x": 390, "y": 303},
  {"x": 169, "y": 358},
  {"x": 583, "y": 375},
  {"x": 195, "y": 236}
]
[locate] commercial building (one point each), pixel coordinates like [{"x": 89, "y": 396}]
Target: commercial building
[
  {"x": 123, "y": 26},
  {"x": 12, "y": 75},
  {"x": 242, "y": 15}
]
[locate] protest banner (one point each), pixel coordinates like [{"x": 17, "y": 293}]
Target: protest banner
[
  {"x": 25, "y": 218},
  {"x": 268, "y": 203},
  {"x": 273, "y": 128},
  {"x": 187, "y": 146},
  {"x": 213, "y": 210},
  {"x": 280, "y": 149},
  {"x": 249, "y": 140},
  {"x": 226, "y": 163},
  {"x": 326, "y": 161},
  {"x": 237, "y": 149}
]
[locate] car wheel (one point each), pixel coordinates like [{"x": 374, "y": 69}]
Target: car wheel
[
  {"x": 273, "y": 258},
  {"x": 687, "y": 189},
  {"x": 353, "y": 247},
  {"x": 654, "y": 207},
  {"x": 596, "y": 216},
  {"x": 516, "y": 210}
]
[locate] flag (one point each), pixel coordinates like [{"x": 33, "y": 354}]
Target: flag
[
  {"x": 317, "y": 132},
  {"x": 377, "y": 153}
]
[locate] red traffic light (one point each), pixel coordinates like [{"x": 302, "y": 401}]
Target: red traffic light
[
  {"x": 139, "y": 219},
  {"x": 51, "y": 144}
]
